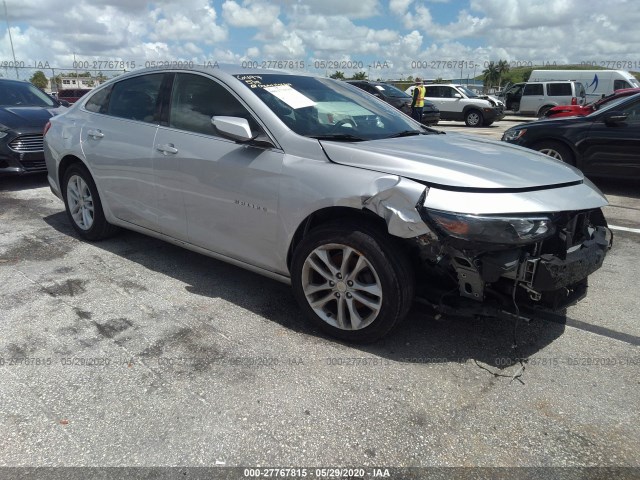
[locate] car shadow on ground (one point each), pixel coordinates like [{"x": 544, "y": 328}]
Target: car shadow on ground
[
  {"x": 23, "y": 182},
  {"x": 421, "y": 338}
]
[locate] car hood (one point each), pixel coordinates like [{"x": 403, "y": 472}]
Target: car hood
[
  {"x": 24, "y": 117},
  {"x": 455, "y": 160}
]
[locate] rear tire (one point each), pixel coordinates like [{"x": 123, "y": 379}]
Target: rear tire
[
  {"x": 352, "y": 281},
  {"x": 83, "y": 205},
  {"x": 473, "y": 118},
  {"x": 556, "y": 150},
  {"x": 543, "y": 111}
]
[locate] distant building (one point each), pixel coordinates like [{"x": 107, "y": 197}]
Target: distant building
[{"x": 74, "y": 82}]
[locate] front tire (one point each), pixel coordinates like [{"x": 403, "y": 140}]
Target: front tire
[
  {"x": 352, "y": 281},
  {"x": 83, "y": 205},
  {"x": 473, "y": 118},
  {"x": 556, "y": 150}
]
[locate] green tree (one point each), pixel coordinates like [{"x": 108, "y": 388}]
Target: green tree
[
  {"x": 337, "y": 75},
  {"x": 502, "y": 67},
  {"x": 39, "y": 79},
  {"x": 490, "y": 75},
  {"x": 359, "y": 76}
]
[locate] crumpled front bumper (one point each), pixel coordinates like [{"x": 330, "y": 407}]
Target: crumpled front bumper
[{"x": 553, "y": 273}]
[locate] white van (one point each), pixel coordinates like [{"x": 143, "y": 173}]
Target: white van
[{"x": 596, "y": 82}]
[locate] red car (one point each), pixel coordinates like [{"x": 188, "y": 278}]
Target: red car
[
  {"x": 581, "y": 110},
  {"x": 72, "y": 95}
]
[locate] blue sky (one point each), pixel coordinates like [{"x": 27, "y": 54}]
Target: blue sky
[{"x": 406, "y": 37}]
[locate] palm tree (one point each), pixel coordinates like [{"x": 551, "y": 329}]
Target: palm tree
[
  {"x": 360, "y": 76},
  {"x": 337, "y": 75},
  {"x": 490, "y": 74},
  {"x": 502, "y": 67}
]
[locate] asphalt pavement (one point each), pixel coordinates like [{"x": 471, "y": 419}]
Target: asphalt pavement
[{"x": 134, "y": 352}]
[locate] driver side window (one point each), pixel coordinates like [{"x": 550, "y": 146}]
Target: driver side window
[{"x": 195, "y": 99}]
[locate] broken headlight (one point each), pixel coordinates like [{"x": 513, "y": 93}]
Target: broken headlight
[{"x": 493, "y": 229}]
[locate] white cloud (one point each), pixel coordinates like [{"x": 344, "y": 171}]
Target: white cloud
[
  {"x": 396, "y": 31},
  {"x": 399, "y": 7},
  {"x": 192, "y": 21},
  {"x": 352, "y": 9},
  {"x": 252, "y": 14}
]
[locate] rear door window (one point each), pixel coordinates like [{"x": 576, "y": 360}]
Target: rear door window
[
  {"x": 99, "y": 101},
  {"x": 533, "y": 89},
  {"x": 559, "y": 90},
  {"x": 432, "y": 91},
  {"x": 137, "y": 98}
]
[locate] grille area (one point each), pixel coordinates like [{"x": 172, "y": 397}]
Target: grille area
[
  {"x": 27, "y": 144},
  {"x": 34, "y": 165}
]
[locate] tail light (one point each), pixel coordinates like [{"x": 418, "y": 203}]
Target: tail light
[
  {"x": 46, "y": 128},
  {"x": 574, "y": 101}
]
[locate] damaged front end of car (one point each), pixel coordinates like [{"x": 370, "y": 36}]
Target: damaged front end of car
[{"x": 495, "y": 264}]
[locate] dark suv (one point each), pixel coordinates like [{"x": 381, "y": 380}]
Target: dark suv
[
  {"x": 72, "y": 95},
  {"x": 24, "y": 111},
  {"x": 399, "y": 99}
]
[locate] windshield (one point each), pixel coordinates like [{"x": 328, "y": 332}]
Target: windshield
[
  {"x": 469, "y": 93},
  {"x": 321, "y": 107},
  {"x": 634, "y": 82},
  {"x": 392, "y": 91},
  {"x": 19, "y": 94}
]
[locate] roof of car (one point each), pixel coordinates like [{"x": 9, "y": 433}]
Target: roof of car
[
  {"x": 220, "y": 70},
  {"x": 371, "y": 82}
]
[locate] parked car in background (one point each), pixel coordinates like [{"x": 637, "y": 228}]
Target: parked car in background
[
  {"x": 24, "y": 112},
  {"x": 605, "y": 143},
  {"x": 457, "y": 102},
  {"x": 596, "y": 82},
  {"x": 312, "y": 182},
  {"x": 399, "y": 99},
  {"x": 581, "y": 110},
  {"x": 539, "y": 97},
  {"x": 72, "y": 95}
]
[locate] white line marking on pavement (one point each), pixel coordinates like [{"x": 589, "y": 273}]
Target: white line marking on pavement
[{"x": 625, "y": 229}]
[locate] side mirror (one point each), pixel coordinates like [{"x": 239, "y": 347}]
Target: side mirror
[
  {"x": 64, "y": 103},
  {"x": 235, "y": 128},
  {"x": 614, "y": 118},
  {"x": 377, "y": 95},
  {"x": 457, "y": 95}
]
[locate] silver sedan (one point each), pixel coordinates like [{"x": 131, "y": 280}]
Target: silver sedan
[{"x": 313, "y": 182}]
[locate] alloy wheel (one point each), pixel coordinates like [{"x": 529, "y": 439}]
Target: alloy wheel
[{"x": 342, "y": 287}]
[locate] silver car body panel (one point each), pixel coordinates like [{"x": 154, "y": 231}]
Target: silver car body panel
[
  {"x": 244, "y": 203},
  {"x": 582, "y": 196},
  {"x": 455, "y": 160}
]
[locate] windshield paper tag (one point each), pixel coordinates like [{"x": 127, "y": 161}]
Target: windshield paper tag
[{"x": 290, "y": 96}]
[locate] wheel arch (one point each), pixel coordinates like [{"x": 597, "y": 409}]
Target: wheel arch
[
  {"x": 467, "y": 108},
  {"x": 65, "y": 163},
  {"x": 329, "y": 214},
  {"x": 545, "y": 106},
  {"x": 562, "y": 141}
]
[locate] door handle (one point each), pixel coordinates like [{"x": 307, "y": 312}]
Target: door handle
[
  {"x": 95, "y": 133},
  {"x": 167, "y": 148}
]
